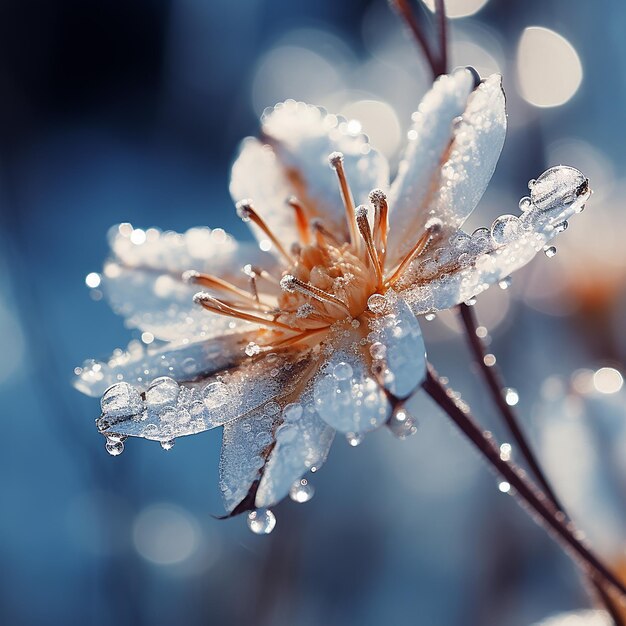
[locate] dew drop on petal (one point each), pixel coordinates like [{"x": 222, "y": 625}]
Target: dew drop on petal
[
  {"x": 429, "y": 317},
  {"x": 114, "y": 447},
  {"x": 261, "y": 521},
  {"x": 525, "y": 204},
  {"x": 301, "y": 491},
  {"x": 342, "y": 371},
  {"x": 562, "y": 227},
  {"x": 558, "y": 185},
  {"x": 292, "y": 412},
  {"x": 549, "y": 251},
  {"x": 377, "y": 303},
  {"x": 505, "y": 229},
  {"x": 378, "y": 350}
]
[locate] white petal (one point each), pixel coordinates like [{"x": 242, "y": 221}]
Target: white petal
[
  {"x": 138, "y": 365},
  {"x": 397, "y": 346},
  {"x": 347, "y": 396},
  {"x": 202, "y": 405},
  {"x": 489, "y": 256},
  {"x": 255, "y": 438},
  {"x": 453, "y": 149},
  {"x": 143, "y": 279},
  {"x": 258, "y": 175},
  {"x": 303, "y": 136},
  {"x": 303, "y": 441}
]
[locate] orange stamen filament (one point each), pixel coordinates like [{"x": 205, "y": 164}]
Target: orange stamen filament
[
  {"x": 323, "y": 236},
  {"x": 364, "y": 228},
  {"x": 381, "y": 222},
  {"x": 291, "y": 284},
  {"x": 213, "y": 282},
  {"x": 247, "y": 213},
  {"x": 420, "y": 247},
  {"x": 302, "y": 221},
  {"x": 222, "y": 308},
  {"x": 336, "y": 162}
]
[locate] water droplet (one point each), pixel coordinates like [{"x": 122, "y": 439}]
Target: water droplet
[
  {"x": 525, "y": 203},
  {"x": 549, "y": 251},
  {"x": 489, "y": 360},
  {"x": 504, "y": 486},
  {"x": 470, "y": 302},
  {"x": 531, "y": 183},
  {"x": 429, "y": 317},
  {"x": 252, "y": 348},
  {"x": 261, "y": 521},
  {"x": 511, "y": 397},
  {"x": 378, "y": 350},
  {"x": 292, "y": 412},
  {"x": 377, "y": 303},
  {"x": 342, "y": 371},
  {"x": 402, "y": 424},
  {"x": 114, "y": 447},
  {"x": 505, "y": 283},
  {"x": 167, "y": 445},
  {"x": 354, "y": 439},
  {"x": 560, "y": 228},
  {"x": 558, "y": 186},
  {"x": 505, "y": 229},
  {"x": 505, "y": 451},
  {"x": 121, "y": 400},
  {"x": 301, "y": 491}
]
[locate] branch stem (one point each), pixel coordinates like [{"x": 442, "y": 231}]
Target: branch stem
[
  {"x": 495, "y": 383},
  {"x": 543, "y": 509}
]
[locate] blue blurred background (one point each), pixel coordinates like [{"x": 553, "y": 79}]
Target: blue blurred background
[{"x": 132, "y": 111}]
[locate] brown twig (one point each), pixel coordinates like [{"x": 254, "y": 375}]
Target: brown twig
[
  {"x": 495, "y": 383},
  {"x": 525, "y": 491}
]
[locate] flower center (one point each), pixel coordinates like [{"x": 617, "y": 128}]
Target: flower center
[{"x": 326, "y": 280}]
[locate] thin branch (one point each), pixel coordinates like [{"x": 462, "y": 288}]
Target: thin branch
[
  {"x": 443, "y": 35},
  {"x": 404, "y": 10},
  {"x": 495, "y": 383},
  {"x": 526, "y": 492}
]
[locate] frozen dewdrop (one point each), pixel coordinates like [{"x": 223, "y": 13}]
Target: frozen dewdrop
[
  {"x": 402, "y": 424},
  {"x": 354, "y": 439},
  {"x": 429, "y": 317},
  {"x": 121, "y": 400},
  {"x": 252, "y": 349},
  {"x": 511, "y": 397},
  {"x": 292, "y": 412},
  {"x": 378, "y": 350},
  {"x": 505, "y": 229},
  {"x": 470, "y": 302},
  {"x": 301, "y": 491},
  {"x": 505, "y": 283},
  {"x": 114, "y": 446},
  {"x": 377, "y": 303},
  {"x": 557, "y": 186},
  {"x": 549, "y": 251},
  {"x": 342, "y": 371},
  {"x": 525, "y": 204},
  {"x": 244, "y": 210},
  {"x": 505, "y": 451},
  {"x": 167, "y": 445},
  {"x": 163, "y": 391},
  {"x": 561, "y": 227},
  {"x": 261, "y": 521}
]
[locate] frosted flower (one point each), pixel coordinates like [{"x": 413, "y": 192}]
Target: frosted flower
[{"x": 319, "y": 332}]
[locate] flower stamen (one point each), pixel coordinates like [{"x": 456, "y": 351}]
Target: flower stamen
[
  {"x": 247, "y": 213},
  {"x": 366, "y": 233},
  {"x": 220, "y": 307},
  {"x": 302, "y": 220},
  {"x": 323, "y": 236},
  {"x": 218, "y": 284},
  {"x": 378, "y": 200},
  {"x": 292, "y": 284},
  {"x": 432, "y": 231},
  {"x": 335, "y": 160}
]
